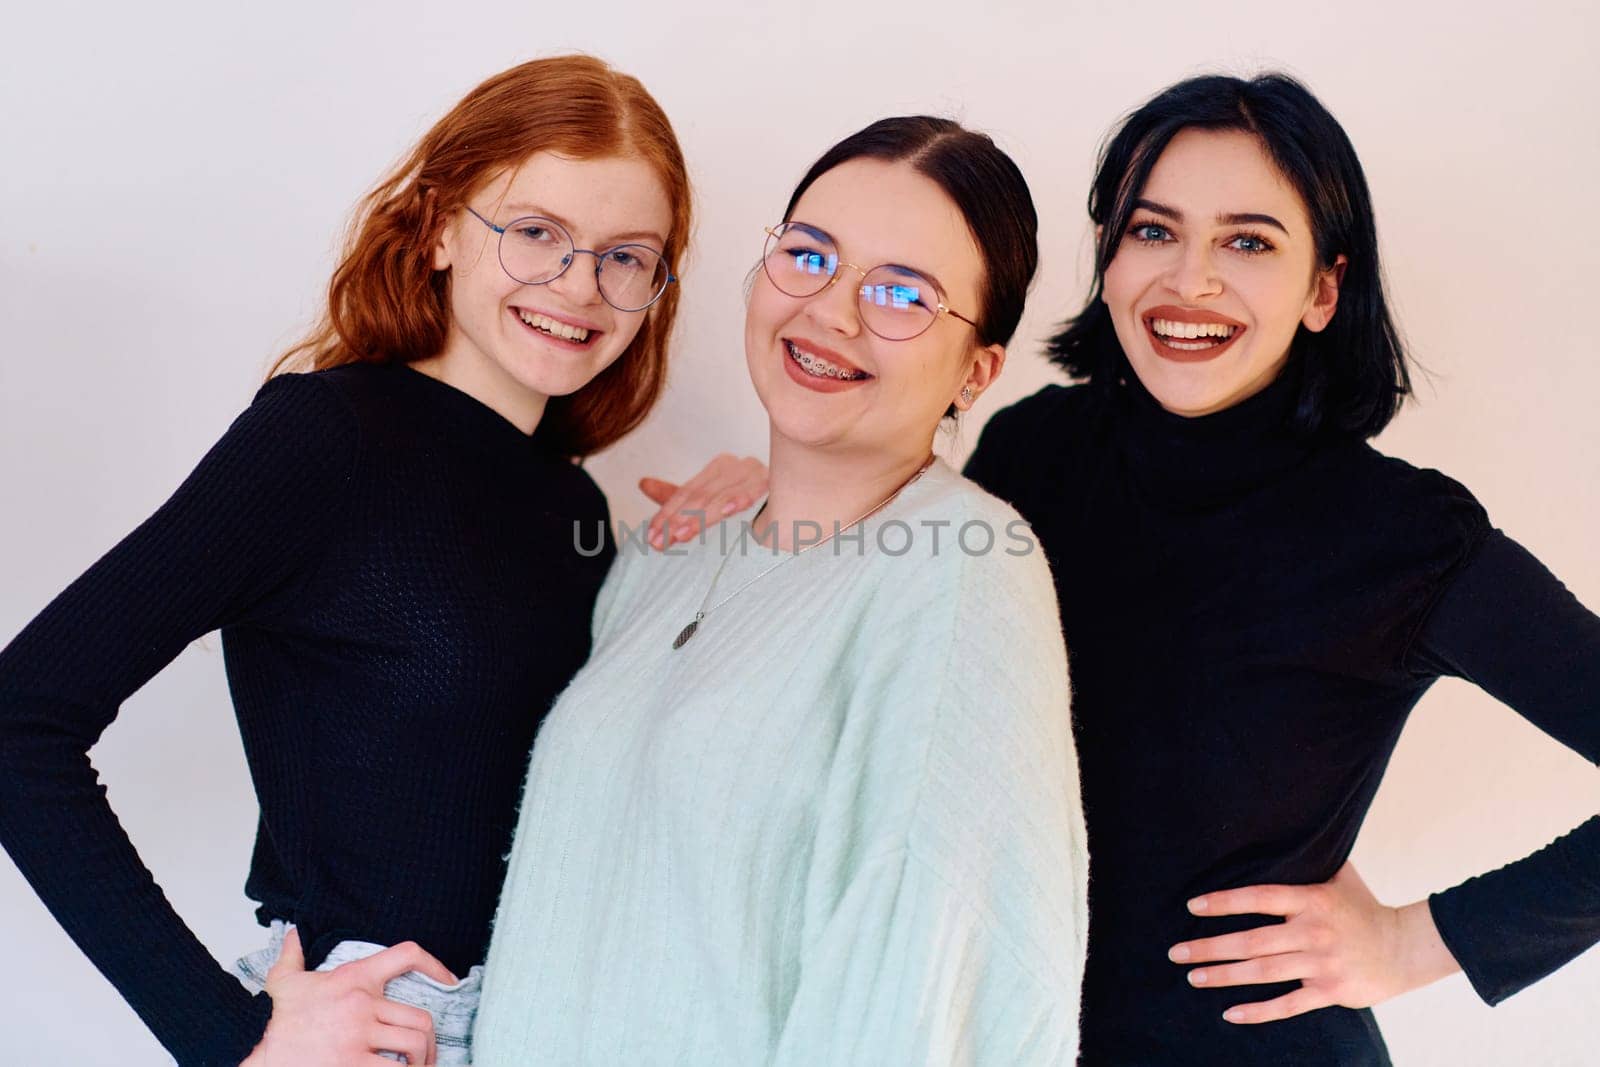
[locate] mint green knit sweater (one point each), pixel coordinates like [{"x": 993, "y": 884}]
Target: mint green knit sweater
[{"x": 840, "y": 826}]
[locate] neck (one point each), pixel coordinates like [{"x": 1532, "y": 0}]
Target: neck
[
  {"x": 813, "y": 485},
  {"x": 486, "y": 382}
]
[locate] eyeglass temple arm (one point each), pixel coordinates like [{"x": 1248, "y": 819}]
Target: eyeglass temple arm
[{"x": 486, "y": 222}]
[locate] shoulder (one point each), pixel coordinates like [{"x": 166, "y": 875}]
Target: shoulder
[
  {"x": 311, "y": 397},
  {"x": 958, "y": 544},
  {"x": 1033, "y": 443},
  {"x": 372, "y": 395},
  {"x": 294, "y": 422},
  {"x": 1411, "y": 500},
  {"x": 1054, "y": 408}
]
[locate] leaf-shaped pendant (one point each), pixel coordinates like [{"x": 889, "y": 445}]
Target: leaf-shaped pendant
[{"x": 687, "y": 632}]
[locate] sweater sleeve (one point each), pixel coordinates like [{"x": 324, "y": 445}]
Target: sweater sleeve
[
  {"x": 239, "y": 531},
  {"x": 1506, "y": 624},
  {"x": 959, "y": 939}
]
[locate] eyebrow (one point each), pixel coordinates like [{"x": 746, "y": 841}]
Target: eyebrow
[
  {"x": 521, "y": 211},
  {"x": 899, "y": 268},
  {"x": 1238, "y": 218}
]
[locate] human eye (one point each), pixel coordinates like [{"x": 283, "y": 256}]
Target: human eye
[
  {"x": 809, "y": 260},
  {"x": 534, "y": 232},
  {"x": 1251, "y": 244},
  {"x": 907, "y": 295},
  {"x": 625, "y": 257},
  {"x": 1148, "y": 232}
]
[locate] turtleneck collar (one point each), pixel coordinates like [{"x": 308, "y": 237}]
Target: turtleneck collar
[{"x": 1202, "y": 462}]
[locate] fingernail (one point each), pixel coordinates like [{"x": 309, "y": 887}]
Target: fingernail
[
  {"x": 680, "y": 533},
  {"x": 1197, "y": 904},
  {"x": 655, "y": 540},
  {"x": 1178, "y": 954},
  {"x": 730, "y": 507},
  {"x": 1233, "y": 1015},
  {"x": 1197, "y": 978}
]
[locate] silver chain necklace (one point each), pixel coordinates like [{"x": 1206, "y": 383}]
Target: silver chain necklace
[{"x": 694, "y": 624}]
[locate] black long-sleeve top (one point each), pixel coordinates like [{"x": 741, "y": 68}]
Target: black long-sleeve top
[
  {"x": 401, "y": 595},
  {"x": 1250, "y": 617}
]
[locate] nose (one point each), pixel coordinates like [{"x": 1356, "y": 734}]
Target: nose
[
  {"x": 580, "y": 282},
  {"x": 1193, "y": 276},
  {"x": 837, "y": 308}
]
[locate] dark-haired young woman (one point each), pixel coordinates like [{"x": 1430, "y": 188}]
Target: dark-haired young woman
[
  {"x": 1254, "y": 600},
  {"x": 387, "y": 546}
]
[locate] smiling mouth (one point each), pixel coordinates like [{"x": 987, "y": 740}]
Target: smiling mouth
[
  {"x": 555, "y": 329},
  {"x": 818, "y": 367},
  {"x": 1190, "y": 341}
]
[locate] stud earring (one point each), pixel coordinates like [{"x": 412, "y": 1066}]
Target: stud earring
[{"x": 966, "y": 394}]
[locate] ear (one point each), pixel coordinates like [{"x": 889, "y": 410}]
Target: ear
[
  {"x": 1324, "y": 296},
  {"x": 445, "y": 241},
  {"x": 987, "y": 364}
]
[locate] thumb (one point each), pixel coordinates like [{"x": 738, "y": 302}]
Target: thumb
[
  {"x": 291, "y": 958},
  {"x": 657, "y": 490}
]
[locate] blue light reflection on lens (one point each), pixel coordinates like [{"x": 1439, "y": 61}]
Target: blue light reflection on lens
[
  {"x": 899, "y": 297},
  {"x": 816, "y": 263}
]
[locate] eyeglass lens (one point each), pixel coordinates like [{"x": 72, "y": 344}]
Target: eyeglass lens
[
  {"x": 535, "y": 250},
  {"x": 896, "y": 303}
]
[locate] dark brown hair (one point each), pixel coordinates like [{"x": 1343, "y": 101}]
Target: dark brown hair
[{"x": 986, "y": 187}]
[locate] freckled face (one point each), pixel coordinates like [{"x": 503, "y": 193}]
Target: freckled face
[
  {"x": 1215, "y": 273},
  {"x": 539, "y": 341}
]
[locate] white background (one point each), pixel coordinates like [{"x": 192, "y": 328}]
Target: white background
[{"x": 175, "y": 180}]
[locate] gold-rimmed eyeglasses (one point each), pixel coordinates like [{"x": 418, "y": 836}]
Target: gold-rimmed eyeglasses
[{"x": 895, "y": 302}]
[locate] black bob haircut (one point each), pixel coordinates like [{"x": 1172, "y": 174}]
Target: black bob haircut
[{"x": 1352, "y": 375}]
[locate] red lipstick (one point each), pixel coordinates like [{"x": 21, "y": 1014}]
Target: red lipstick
[{"x": 1190, "y": 335}]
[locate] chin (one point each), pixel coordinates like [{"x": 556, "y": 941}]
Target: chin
[
  {"x": 1196, "y": 389},
  {"x": 549, "y": 378},
  {"x": 809, "y": 429}
]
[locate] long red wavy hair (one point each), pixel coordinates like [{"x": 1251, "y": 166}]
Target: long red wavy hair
[{"x": 387, "y": 304}]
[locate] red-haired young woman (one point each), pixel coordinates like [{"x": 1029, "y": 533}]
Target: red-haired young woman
[{"x": 387, "y": 544}]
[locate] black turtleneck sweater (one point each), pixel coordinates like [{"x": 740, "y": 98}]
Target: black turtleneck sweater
[
  {"x": 1250, "y": 617},
  {"x": 393, "y": 569}
]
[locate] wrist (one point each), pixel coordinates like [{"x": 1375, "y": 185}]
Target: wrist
[{"x": 1422, "y": 954}]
